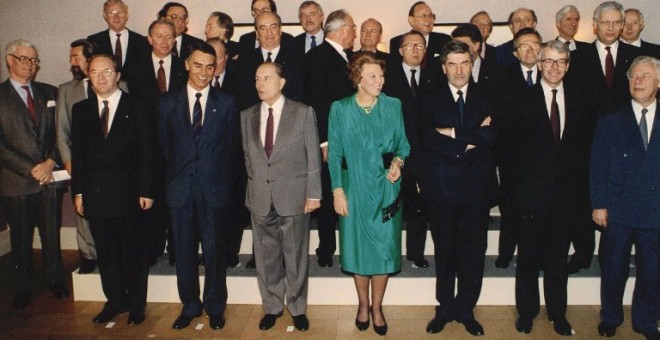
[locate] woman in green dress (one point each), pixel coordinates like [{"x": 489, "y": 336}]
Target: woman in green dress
[{"x": 367, "y": 146}]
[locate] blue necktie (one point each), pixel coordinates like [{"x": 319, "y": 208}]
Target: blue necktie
[
  {"x": 643, "y": 129},
  {"x": 313, "y": 44},
  {"x": 529, "y": 79},
  {"x": 461, "y": 104},
  {"x": 197, "y": 119}
]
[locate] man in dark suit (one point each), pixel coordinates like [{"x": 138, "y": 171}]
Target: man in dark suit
[
  {"x": 268, "y": 27},
  {"x": 196, "y": 131},
  {"x": 371, "y": 32},
  {"x": 177, "y": 14},
  {"x": 400, "y": 84},
  {"x": 421, "y": 19},
  {"x": 518, "y": 19},
  {"x": 483, "y": 21},
  {"x": 28, "y": 155},
  {"x": 550, "y": 148},
  {"x": 311, "y": 18},
  {"x": 111, "y": 181},
  {"x": 248, "y": 41},
  {"x": 568, "y": 21},
  {"x": 126, "y": 46},
  {"x": 624, "y": 176},
  {"x": 326, "y": 80},
  {"x": 283, "y": 161},
  {"x": 633, "y": 25},
  {"x": 459, "y": 183},
  {"x": 220, "y": 25}
]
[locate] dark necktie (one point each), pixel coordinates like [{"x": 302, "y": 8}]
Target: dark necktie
[
  {"x": 217, "y": 82},
  {"x": 554, "y": 116},
  {"x": 118, "y": 51},
  {"x": 568, "y": 43},
  {"x": 30, "y": 105},
  {"x": 609, "y": 68},
  {"x": 90, "y": 89},
  {"x": 105, "y": 118},
  {"x": 268, "y": 143},
  {"x": 530, "y": 82},
  {"x": 413, "y": 82},
  {"x": 313, "y": 44},
  {"x": 643, "y": 129},
  {"x": 461, "y": 104},
  {"x": 175, "y": 51},
  {"x": 268, "y": 57},
  {"x": 162, "y": 82},
  {"x": 197, "y": 119}
]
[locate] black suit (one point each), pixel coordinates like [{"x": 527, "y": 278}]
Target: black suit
[
  {"x": 325, "y": 80},
  {"x": 138, "y": 46},
  {"x": 187, "y": 40},
  {"x": 460, "y": 186},
  {"x": 650, "y": 49},
  {"x": 299, "y": 43},
  {"x": 504, "y": 54},
  {"x": 247, "y": 42},
  {"x": 491, "y": 79},
  {"x": 434, "y": 46},
  {"x": 112, "y": 174},
  {"x": 232, "y": 49},
  {"x": 550, "y": 195},
  {"x": 490, "y": 53}
]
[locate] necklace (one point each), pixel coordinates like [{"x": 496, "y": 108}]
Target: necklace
[{"x": 367, "y": 109}]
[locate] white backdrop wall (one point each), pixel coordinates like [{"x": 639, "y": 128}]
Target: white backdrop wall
[{"x": 53, "y": 24}]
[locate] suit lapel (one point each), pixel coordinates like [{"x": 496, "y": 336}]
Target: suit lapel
[
  {"x": 256, "y": 135},
  {"x": 18, "y": 102},
  {"x": 654, "y": 142},
  {"x": 285, "y": 125},
  {"x": 120, "y": 119}
]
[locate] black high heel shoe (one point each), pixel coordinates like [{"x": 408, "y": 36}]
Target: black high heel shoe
[
  {"x": 380, "y": 330},
  {"x": 361, "y": 325}
]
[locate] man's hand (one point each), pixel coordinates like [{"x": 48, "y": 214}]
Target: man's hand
[
  {"x": 78, "y": 203},
  {"x": 324, "y": 153},
  {"x": 340, "y": 202},
  {"x": 311, "y": 205},
  {"x": 146, "y": 203},
  {"x": 43, "y": 172},
  {"x": 600, "y": 217}
]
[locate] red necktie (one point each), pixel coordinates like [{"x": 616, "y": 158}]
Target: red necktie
[
  {"x": 162, "y": 83},
  {"x": 217, "y": 82},
  {"x": 105, "y": 118},
  {"x": 554, "y": 115},
  {"x": 609, "y": 68},
  {"x": 30, "y": 105},
  {"x": 268, "y": 143},
  {"x": 118, "y": 51}
]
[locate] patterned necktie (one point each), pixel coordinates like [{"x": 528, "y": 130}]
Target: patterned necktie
[
  {"x": 118, "y": 51},
  {"x": 609, "y": 68},
  {"x": 162, "y": 82},
  {"x": 217, "y": 82},
  {"x": 268, "y": 57},
  {"x": 643, "y": 129},
  {"x": 461, "y": 104},
  {"x": 530, "y": 82},
  {"x": 30, "y": 105},
  {"x": 175, "y": 50},
  {"x": 554, "y": 116},
  {"x": 105, "y": 119},
  {"x": 313, "y": 44},
  {"x": 268, "y": 143},
  {"x": 197, "y": 119},
  {"x": 413, "y": 82}
]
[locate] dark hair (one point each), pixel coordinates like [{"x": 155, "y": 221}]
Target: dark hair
[
  {"x": 161, "y": 21},
  {"x": 467, "y": 30},
  {"x": 225, "y": 21},
  {"x": 163, "y": 12},
  {"x": 358, "y": 60},
  {"x": 271, "y": 3},
  {"x": 89, "y": 48},
  {"x": 411, "y": 12},
  {"x": 103, "y": 55},
  {"x": 411, "y": 32},
  {"x": 219, "y": 42},
  {"x": 202, "y": 47},
  {"x": 454, "y": 46},
  {"x": 525, "y": 31},
  {"x": 279, "y": 69}
]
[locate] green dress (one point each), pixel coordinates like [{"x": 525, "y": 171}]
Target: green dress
[{"x": 367, "y": 245}]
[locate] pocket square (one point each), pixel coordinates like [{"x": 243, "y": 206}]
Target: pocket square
[{"x": 50, "y": 103}]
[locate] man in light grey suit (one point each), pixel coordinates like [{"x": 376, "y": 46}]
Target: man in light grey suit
[{"x": 283, "y": 161}]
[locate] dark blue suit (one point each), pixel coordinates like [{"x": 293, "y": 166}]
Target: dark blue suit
[
  {"x": 198, "y": 189},
  {"x": 625, "y": 181}
]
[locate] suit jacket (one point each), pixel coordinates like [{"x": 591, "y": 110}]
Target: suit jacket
[
  {"x": 435, "y": 44},
  {"x": 491, "y": 79},
  {"x": 112, "y": 173},
  {"x": 452, "y": 174},
  {"x": 650, "y": 49},
  {"x": 187, "y": 40},
  {"x": 138, "y": 46},
  {"x": 232, "y": 49},
  {"x": 504, "y": 54},
  {"x": 22, "y": 144},
  {"x": 293, "y": 171},
  {"x": 490, "y": 53},
  {"x": 380, "y": 55},
  {"x": 209, "y": 162},
  {"x": 624, "y": 177},
  {"x": 248, "y": 40},
  {"x": 578, "y": 44},
  {"x": 325, "y": 80},
  {"x": 547, "y": 174}
]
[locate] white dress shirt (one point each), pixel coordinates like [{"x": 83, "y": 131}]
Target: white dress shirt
[
  {"x": 571, "y": 45},
  {"x": 177, "y": 42},
  {"x": 650, "y": 115},
  {"x": 263, "y": 119},
  {"x": 637, "y": 42},
  {"x": 476, "y": 67},
  {"x": 602, "y": 52},
  {"x": 273, "y": 53},
  {"x": 202, "y": 100},
  {"x": 534, "y": 69},
  {"x": 113, "y": 102},
  {"x": 339, "y": 48},
  {"x": 124, "y": 43},
  {"x": 167, "y": 65},
  {"x": 561, "y": 103},
  {"x": 406, "y": 70}
]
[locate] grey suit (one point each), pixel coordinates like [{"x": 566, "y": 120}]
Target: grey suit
[{"x": 276, "y": 193}]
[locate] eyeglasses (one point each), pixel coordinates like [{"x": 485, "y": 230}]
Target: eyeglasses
[
  {"x": 256, "y": 11},
  {"x": 524, "y": 48},
  {"x": 107, "y": 73},
  {"x": 610, "y": 23},
  {"x": 120, "y": 14},
  {"x": 25, "y": 60},
  {"x": 411, "y": 46},
  {"x": 425, "y": 16},
  {"x": 548, "y": 63},
  {"x": 642, "y": 77},
  {"x": 174, "y": 17}
]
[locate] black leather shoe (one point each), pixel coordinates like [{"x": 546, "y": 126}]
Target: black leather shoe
[
  {"x": 574, "y": 266},
  {"x": 420, "y": 263},
  {"x": 473, "y": 327},
  {"x": 232, "y": 261},
  {"x": 562, "y": 327},
  {"x": 136, "y": 317},
  {"x": 184, "y": 321},
  {"x": 87, "y": 266},
  {"x": 361, "y": 325},
  {"x": 502, "y": 262},
  {"x": 436, "y": 325},
  {"x": 268, "y": 321},
  {"x": 251, "y": 264},
  {"x": 172, "y": 259},
  {"x": 59, "y": 290},
  {"x": 606, "y": 330},
  {"x": 217, "y": 321},
  {"x": 324, "y": 261},
  {"x": 21, "y": 299},
  {"x": 524, "y": 325},
  {"x": 301, "y": 322},
  {"x": 107, "y": 314}
]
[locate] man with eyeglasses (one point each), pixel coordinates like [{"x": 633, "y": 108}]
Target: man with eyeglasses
[
  {"x": 568, "y": 21},
  {"x": 518, "y": 19},
  {"x": 28, "y": 156},
  {"x": 633, "y": 25},
  {"x": 112, "y": 153},
  {"x": 177, "y": 14},
  {"x": 126, "y": 46},
  {"x": 371, "y": 32},
  {"x": 483, "y": 21},
  {"x": 549, "y": 144},
  {"x": 311, "y": 18},
  {"x": 248, "y": 41},
  {"x": 421, "y": 19}
]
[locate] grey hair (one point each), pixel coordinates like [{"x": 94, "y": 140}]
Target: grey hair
[
  {"x": 635, "y": 10},
  {"x": 644, "y": 59},
  {"x": 607, "y": 6},
  {"x": 555, "y": 45},
  {"x": 335, "y": 21},
  {"x": 11, "y": 47},
  {"x": 561, "y": 13}
]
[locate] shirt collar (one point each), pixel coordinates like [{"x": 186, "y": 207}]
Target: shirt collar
[{"x": 277, "y": 105}]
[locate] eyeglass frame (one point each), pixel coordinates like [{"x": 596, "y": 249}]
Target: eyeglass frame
[
  {"x": 24, "y": 60},
  {"x": 549, "y": 62}
]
